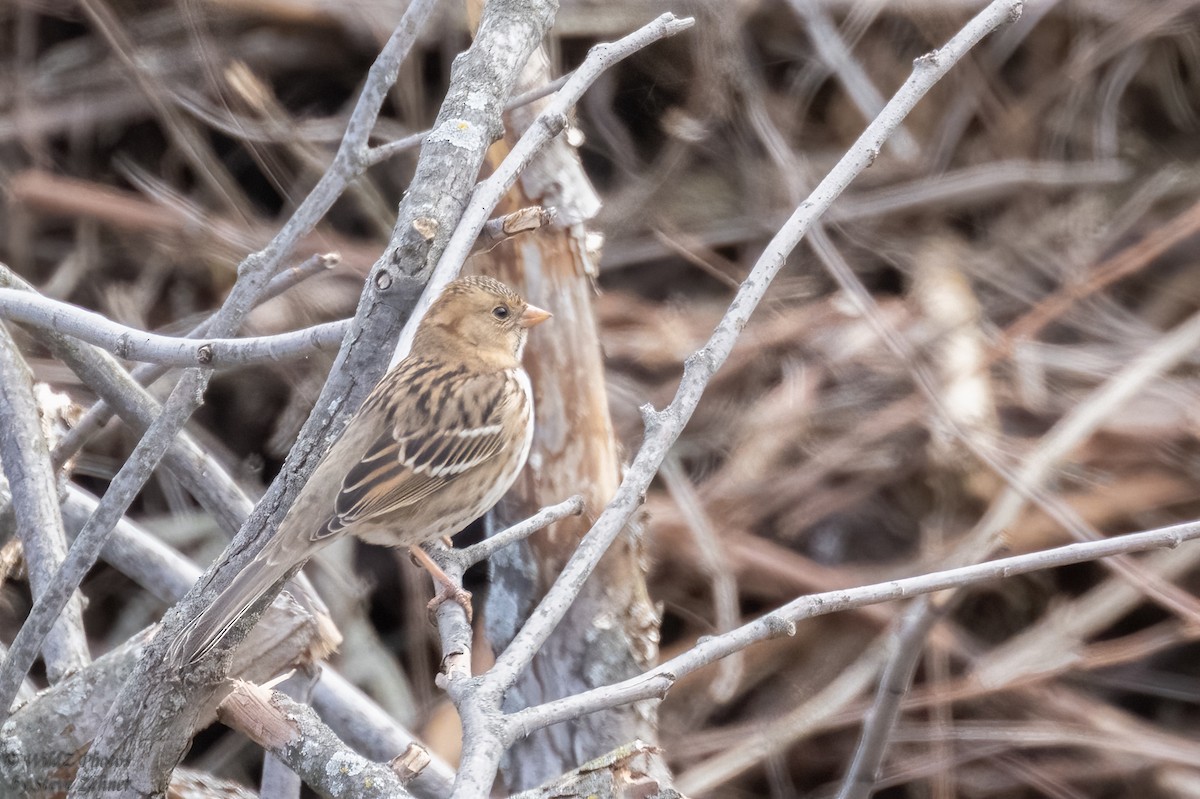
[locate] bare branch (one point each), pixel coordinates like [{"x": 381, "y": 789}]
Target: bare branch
[
  {"x": 635, "y": 769},
  {"x": 715, "y": 562},
  {"x": 467, "y": 123},
  {"x": 166, "y": 574},
  {"x": 26, "y": 461},
  {"x": 548, "y": 124},
  {"x": 907, "y": 644},
  {"x": 44, "y": 738},
  {"x": 139, "y": 345},
  {"x": 385, "y": 151},
  {"x": 201, "y": 474},
  {"x": 519, "y": 532},
  {"x": 657, "y": 681},
  {"x": 854, "y": 79},
  {"x": 663, "y": 428},
  {"x": 364, "y": 725},
  {"x": 509, "y": 225},
  {"x": 478, "y": 704},
  {"x": 293, "y": 733},
  {"x": 279, "y": 781},
  {"x": 82, "y": 556},
  {"x": 145, "y": 374}
]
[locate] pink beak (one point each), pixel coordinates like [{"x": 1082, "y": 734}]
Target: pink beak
[{"x": 533, "y": 315}]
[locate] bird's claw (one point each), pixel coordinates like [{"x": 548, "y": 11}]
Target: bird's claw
[{"x": 451, "y": 593}]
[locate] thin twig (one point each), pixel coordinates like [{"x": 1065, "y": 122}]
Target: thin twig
[
  {"x": 201, "y": 473},
  {"x": 548, "y": 124},
  {"x": 477, "y": 553},
  {"x": 145, "y": 374},
  {"x": 504, "y": 228},
  {"x": 1026, "y": 483},
  {"x": 664, "y": 427},
  {"x": 715, "y": 563},
  {"x": 455, "y": 631},
  {"x": 457, "y": 637},
  {"x": 854, "y": 79},
  {"x": 657, "y": 681},
  {"x": 1055, "y": 642},
  {"x": 478, "y": 704},
  {"x": 907, "y": 644},
  {"x": 130, "y": 343},
  {"x": 383, "y": 152},
  {"x": 26, "y": 461}
]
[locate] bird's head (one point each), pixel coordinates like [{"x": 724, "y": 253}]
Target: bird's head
[{"x": 478, "y": 317}]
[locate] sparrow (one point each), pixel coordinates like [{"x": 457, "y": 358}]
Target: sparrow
[{"x": 434, "y": 446}]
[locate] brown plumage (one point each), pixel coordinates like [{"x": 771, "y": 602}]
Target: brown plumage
[{"x": 434, "y": 445}]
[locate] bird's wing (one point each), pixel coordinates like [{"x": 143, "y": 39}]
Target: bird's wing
[{"x": 435, "y": 431}]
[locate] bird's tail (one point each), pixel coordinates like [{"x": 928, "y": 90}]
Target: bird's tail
[{"x": 207, "y": 629}]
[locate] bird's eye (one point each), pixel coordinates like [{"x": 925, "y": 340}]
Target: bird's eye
[{"x": 500, "y": 312}]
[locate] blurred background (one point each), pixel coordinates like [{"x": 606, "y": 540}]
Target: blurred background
[{"x": 1029, "y": 233}]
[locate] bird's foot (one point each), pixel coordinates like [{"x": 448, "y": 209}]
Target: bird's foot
[
  {"x": 448, "y": 589},
  {"x": 448, "y": 592}
]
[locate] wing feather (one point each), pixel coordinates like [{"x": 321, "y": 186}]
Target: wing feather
[{"x": 438, "y": 430}]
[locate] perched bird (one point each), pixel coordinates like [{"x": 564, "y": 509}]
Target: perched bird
[{"x": 435, "y": 445}]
